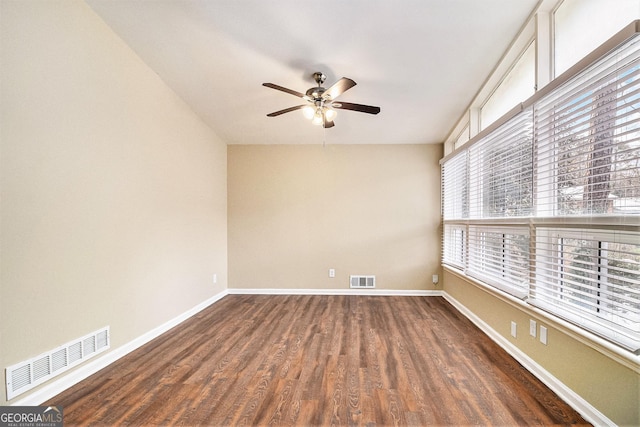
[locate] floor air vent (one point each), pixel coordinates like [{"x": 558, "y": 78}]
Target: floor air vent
[
  {"x": 26, "y": 375},
  {"x": 367, "y": 282}
]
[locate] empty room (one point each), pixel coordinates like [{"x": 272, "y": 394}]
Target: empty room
[{"x": 320, "y": 213}]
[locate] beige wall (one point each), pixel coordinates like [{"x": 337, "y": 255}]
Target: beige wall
[
  {"x": 296, "y": 211},
  {"x": 113, "y": 193},
  {"x": 611, "y": 387}
]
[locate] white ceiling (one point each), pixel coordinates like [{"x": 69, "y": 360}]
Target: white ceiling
[{"x": 421, "y": 61}]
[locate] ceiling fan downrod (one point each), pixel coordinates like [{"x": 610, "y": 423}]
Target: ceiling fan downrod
[{"x": 319, "y": 77}]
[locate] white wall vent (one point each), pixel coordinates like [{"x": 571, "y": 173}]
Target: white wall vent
[
  {"x": 24, "y": 376},
  {"x": 368, "y": 282}
]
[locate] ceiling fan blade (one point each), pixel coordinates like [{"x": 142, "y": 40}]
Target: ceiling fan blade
[
  {"x": 356, "y": 107},
  {"x": 338, "y": 88},
  {"x": 284, "y": 89},
  {"x": 328, "y": 123},
  {"x": 286, "y": 110}
]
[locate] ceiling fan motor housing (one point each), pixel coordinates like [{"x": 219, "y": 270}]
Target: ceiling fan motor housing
[{"x": 315, "y": 92}]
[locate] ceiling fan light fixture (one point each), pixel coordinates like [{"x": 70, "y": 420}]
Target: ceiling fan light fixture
[
  {"x": 330, "y": 114},
  {"x": 318, "y": 119},
  {"x": 309, "y": 112}
]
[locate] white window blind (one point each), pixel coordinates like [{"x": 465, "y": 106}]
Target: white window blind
[
  {"x": 455, "y": 188},
  {"x": 546, "y": 207},
  {"x": 454, "y": 245},
  {"x": 500, "y": 257},
  {"x": 592, "y": 278},
  {"x": 501, "y": 170},
  {"x": 588, "y": 140}
]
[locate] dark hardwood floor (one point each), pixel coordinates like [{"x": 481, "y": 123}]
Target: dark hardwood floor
[{"x": 317, "y": 360}]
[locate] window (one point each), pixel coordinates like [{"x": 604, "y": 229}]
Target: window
[
  {"x": 546, "y": 207},
  {"x": 501, "y": 171},
  {"x": 455, "y": 199},
  {"x": 582, "y": 25},
  {"x": 592, "y": 278},
  {"x": 588, "y": 139},
  {"x": 463, "y": 138},
  {"x": 518, "y": 85},
  {"x": 500, "y": 257},
  {"x": 454, "y": 245}
]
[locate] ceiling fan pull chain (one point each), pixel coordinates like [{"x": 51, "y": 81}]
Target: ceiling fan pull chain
[{"x": 324, "y": 136}]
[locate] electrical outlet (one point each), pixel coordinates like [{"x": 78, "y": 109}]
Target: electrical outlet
[
  {"x": 434, "y": 279},
  {"x": 514, "y": 329},
  {"x": 215, "y": 278},
  {"x": 543, "y": 335},
  {"x": 332, "y": 272},
  {"x": 532, "y": 328}
]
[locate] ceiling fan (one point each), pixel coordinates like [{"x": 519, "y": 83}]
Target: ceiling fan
[{"x": 321, "y": 105}]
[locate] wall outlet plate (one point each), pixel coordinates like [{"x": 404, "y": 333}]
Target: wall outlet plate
[
  {"x": 533, "y": 328},
  {"x": 514, "y": 329}
]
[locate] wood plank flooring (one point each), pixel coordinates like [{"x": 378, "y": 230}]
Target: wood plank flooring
[{"x": 314, "y": 361}]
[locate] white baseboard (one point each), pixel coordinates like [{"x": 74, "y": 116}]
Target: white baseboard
[
  {"x": 57, "y": 386},
  {"x": 583, "y": 407},
  {"x": 371, "y": 292}
]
